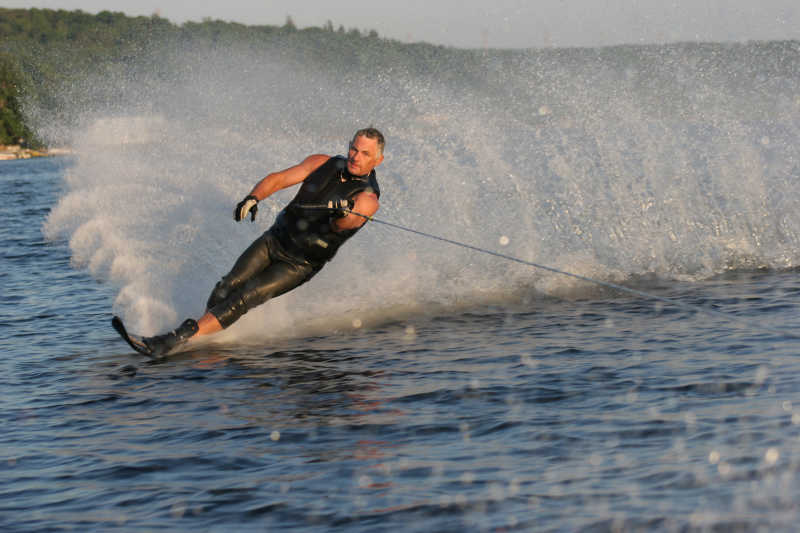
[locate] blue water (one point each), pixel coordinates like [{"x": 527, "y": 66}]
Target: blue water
[
  {"x": 412, "y": 384},
  {"x": 595, "y": 412}
]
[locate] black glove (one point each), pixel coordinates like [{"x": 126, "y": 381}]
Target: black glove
[
  {"x": 248, "y": 205},
  {"x": 341, "y": 207}
]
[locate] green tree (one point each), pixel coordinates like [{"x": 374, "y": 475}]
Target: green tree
[{"x": 12, "y": 126}]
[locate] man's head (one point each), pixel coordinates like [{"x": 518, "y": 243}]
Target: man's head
[{"x": 366, "y": 151}]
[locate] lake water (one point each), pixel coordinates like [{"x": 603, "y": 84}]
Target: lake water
[
  {"x": 415, "y": 385},
  {"x": 594, "y": 413}
]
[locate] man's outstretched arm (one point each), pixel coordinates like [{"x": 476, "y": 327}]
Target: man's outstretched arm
[
  {"x": 276, "y": 181},
  {"x": 286, "y": 178}
]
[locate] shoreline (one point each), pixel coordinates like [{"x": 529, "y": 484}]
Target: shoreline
[{"x": 15, "y": 152}]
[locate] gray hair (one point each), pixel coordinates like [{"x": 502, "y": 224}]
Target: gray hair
[{"x": 371, "y": 133}]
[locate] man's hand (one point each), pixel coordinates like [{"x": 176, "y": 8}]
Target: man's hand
[
  {"x": 340, "y": 207},
  {"x": 365, "y": 204},
  {"x": 248, "y": 205}
]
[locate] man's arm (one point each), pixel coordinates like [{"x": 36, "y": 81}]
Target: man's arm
[
  {"x": 366, "y": 203},
  {"x": 286, "y": 178}
]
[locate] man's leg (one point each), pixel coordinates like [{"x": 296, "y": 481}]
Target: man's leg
[
  {"x": 208, "y": 324},
  {"x": 252, "y": 261},
  {"x": 253, "y": 280},
  {"x": 278, "y": 278}
]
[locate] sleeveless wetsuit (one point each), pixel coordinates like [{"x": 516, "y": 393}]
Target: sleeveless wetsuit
[{"x": 295, "y": 248}]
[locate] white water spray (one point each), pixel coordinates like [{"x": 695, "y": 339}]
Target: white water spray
[{"x": 598, "y": 167}]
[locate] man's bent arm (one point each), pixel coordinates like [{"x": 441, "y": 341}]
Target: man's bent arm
[
  {"x": 277, "y": 181},
  {"x": 366, "y": 203}
]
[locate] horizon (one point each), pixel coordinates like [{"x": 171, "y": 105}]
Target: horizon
[{"x": 506, "y": 24}]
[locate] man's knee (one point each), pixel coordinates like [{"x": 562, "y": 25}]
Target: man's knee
[
  {"x": 233, "y": 305},
  {"x": 221, "y": 292},
  {"x": 253, "y": 260},
  {"x": 229, "y": 301},
  {"x": 229, "y": 310}
]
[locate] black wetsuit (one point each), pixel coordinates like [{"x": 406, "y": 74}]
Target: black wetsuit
[{"x": 295, "y": 248}]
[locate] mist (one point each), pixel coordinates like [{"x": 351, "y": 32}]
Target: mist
[{"x": 619, "y": 164}]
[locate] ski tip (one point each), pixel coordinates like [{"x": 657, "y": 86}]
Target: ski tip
[
  {"x": 133, "y": 341},
  {"x": 116, "y": 323}
]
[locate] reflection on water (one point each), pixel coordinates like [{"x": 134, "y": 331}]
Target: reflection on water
[
  {"x": 454, "y": 393},
  {"x": 586, "y": 413},
  {"x": 603, "y": 413}
]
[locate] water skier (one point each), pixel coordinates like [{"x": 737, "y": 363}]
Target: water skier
[{"x": 305, "y": 235}]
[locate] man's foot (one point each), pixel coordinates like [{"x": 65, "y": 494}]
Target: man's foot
[{"x": 163, "y": 344}]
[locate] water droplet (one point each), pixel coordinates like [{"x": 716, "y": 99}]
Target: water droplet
[
  {"x": 772, "y": 456},
  {"x": 761, "y": 374},
  {"x": 496, "y": 492},
  {"x": 461, "y": 500},
  {"x": 178, "y": 510}
]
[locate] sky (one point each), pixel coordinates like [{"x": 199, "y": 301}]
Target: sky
[{"x": 489, "y": 23}]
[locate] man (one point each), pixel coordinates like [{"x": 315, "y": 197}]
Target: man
[{"x": 337, "y": 196}]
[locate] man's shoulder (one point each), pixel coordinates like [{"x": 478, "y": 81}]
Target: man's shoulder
[
  {"x": 314, "y": 161},
  {"x": 373, "y": 184}
]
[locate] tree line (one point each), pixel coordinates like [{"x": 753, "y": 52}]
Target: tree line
[
  {"x": 43, "y": 50},
  {"x": 49, "y": 60}
]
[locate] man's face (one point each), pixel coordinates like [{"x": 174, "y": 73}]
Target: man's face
[{"x": 363, "y": 156}]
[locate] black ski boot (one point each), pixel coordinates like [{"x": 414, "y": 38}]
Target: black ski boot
[{"x": 163, "y": 344}]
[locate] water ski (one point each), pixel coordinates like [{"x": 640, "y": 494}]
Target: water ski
[
  {"x": 160, "y": 344},
  {"x": 135, "y": 341}
]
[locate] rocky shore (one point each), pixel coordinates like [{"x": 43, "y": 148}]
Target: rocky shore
[{"x": 15, "y": 151}]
